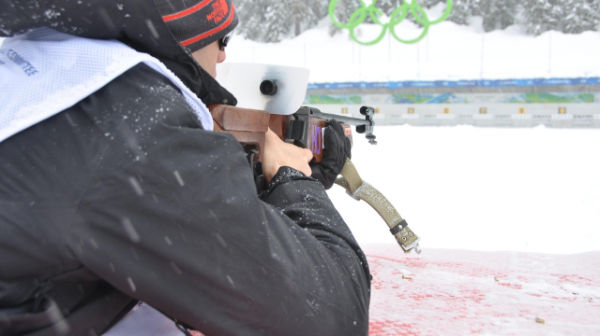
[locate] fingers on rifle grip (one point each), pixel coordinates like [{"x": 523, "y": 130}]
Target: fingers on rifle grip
[
  {"x": 348, "y": 148},
  {"x": 336, "y": 125}
]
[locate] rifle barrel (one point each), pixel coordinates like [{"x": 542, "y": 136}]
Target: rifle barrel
[{"x": 347, "y": 120}]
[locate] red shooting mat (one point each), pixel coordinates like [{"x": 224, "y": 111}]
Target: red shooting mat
[{"x": 459, "y": 292}]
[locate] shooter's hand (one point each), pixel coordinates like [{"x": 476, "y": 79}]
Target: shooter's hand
[
  {"x": 277, "y": 154},
  {"x": 337, "y": 149}
]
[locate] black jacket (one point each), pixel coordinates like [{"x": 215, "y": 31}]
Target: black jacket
[{"x": 124, "y": 197}]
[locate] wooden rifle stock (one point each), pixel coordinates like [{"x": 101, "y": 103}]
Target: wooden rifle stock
[{"x": 249, "y": 127}]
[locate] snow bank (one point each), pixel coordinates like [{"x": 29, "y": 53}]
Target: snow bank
[
  {"x": 448, "y": 52},
  {"x": 486, "y": 189}
]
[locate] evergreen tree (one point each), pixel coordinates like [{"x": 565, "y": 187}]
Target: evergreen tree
[
  {"x": 497, "y": 14},
  {"x": 342, "y": 13},
  {"x": 253, "y": 18},
  {"x": 461, "y": 9},
  {"x": 585, "y": 16},
  {"x": 542, "y": 15},
  {"x": 389, "y": 6},
  {"x": 567, "y": 16},
  {"x": 275, "y": 20}
]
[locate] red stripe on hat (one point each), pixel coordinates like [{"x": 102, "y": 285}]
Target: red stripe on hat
[
  {"x": 186, "y": 12},
  {"x": 210, "y": 32}
]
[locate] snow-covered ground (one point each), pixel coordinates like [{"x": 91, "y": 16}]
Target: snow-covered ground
[{"x": 487, "y": 189}]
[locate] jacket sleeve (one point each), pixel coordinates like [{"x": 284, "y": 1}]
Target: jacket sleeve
[{"x": 171, "y": 217}]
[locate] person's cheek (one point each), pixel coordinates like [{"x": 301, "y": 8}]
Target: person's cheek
[{"x": 221, "y": 57}]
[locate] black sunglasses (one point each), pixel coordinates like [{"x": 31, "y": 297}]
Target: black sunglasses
[{"x": 224, "y": 40}]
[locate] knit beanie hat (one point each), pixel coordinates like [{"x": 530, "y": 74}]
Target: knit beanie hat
[{"x": 198, "y": 23}]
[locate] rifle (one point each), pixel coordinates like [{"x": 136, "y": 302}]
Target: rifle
[{"x": 305, "y": 129}]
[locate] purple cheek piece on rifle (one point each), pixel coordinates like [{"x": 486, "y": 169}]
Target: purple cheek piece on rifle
[{"x": 317, "y": 139}]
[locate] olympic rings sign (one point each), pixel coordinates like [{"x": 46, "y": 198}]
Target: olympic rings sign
[{"x": 398, "y": 15}]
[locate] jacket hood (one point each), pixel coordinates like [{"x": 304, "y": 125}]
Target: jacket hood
[{"x": 133, "y": 22}]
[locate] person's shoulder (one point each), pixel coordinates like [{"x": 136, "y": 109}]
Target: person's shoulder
[
  {"x": 141, "y": 95},
  {"x": 142, "y": 79}
]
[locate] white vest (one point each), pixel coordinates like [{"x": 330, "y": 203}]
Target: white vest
[{"x": 45, "y": 72}]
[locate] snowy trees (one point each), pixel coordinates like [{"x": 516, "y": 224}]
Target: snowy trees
[
  {"x": 343, "y": 11},
  {"x": 461, "y": 9},
  {"x": 567, "y": 16},
  {"x": 496, "y": 14},
  {"x": 274, "y": 20}
]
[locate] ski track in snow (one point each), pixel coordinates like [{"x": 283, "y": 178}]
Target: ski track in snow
[{"x": 461, "y": 292}]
